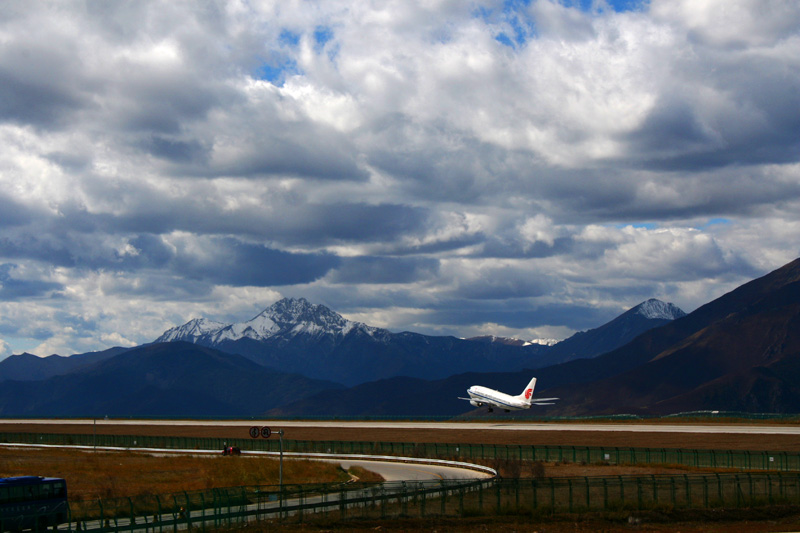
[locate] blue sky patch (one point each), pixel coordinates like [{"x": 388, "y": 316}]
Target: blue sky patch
[
  {"x": 618, "y": 6},
  {"x": 322, "y": 35},
  {"x": 289, "y": 38},
  {"x": 276, "y": 72},
  {"x": 715, "y": 222}
]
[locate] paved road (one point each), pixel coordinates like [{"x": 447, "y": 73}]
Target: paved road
[
  {"x": 754, "y": 429},
  {"x": 393, "y": 471}
]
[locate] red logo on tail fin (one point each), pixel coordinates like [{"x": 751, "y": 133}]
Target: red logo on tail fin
[{"x": 528, "y": 393}]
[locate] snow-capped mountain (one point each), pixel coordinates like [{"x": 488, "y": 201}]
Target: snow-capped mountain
[
  {"x": 512, "y": 341},
  {"x": 544, "y": 342},
  {"x": 294, "y": 335},
  {"x": 656, "y": 309},
  {"x": 286, "y": 318},
  {"x": 647, "y": 315},
  {"x": 191, "y": 331}
]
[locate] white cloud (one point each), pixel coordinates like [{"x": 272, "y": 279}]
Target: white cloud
[
  {"x": 5, "y": 350},
  {"x": 478, "y": 164}
]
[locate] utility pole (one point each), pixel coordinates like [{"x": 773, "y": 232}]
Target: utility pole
[
  {"x": 266, "y": 432},
  {"x": 280, "y": 466}
]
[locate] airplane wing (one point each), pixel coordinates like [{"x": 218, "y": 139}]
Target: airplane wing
[{"x": 543, "y": 401}]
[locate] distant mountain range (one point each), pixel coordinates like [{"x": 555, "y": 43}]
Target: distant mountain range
[
  {"x": 294, "y": 335},
  {"x": 290, "y": 351},
  {"x": 29, "y": 367},
  {"x": 160, "y": 380},
  {"x": 739, "y": 352}
]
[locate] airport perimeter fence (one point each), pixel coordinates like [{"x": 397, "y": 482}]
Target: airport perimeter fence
[
  {"x": 220, "y": 508},
  {"x": 764, "y": 478},
  {"x": 698, "y": 458}
]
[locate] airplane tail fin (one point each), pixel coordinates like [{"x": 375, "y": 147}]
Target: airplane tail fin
[{"x": 527, "y": 394}]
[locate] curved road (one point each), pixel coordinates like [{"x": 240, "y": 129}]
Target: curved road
[{"x": 392, "y": 471}]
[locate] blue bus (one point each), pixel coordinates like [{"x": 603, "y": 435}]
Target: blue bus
[{"x": 32, "y": 502}]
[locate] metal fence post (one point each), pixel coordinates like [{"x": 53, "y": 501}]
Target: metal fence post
[{"x": 586, "y": 480}]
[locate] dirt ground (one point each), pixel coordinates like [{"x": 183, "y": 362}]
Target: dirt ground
[{"x": 723, "y": 441}]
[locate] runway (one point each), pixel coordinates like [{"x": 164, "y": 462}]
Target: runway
[{"x": 635, "y": 427}]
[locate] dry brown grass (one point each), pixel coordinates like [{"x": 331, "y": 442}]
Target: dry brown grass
[
  {"x": 93, "y": 475},
  {"x": 551, "y": 436}
]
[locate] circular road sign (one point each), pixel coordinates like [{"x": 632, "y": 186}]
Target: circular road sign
[
  {"x": 266, "y": 432},
  {"x": 254, "y": 432}
]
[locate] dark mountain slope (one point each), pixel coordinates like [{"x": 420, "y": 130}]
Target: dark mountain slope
[
  {"x": 612, "y": 335},
  {"x": 28, "y": 367},
  {"x": 404, "y": 396},
  {"x": 725, "y": 350},
  {"x": 170, "y": 379}
]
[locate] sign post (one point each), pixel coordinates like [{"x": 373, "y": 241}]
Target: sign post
[
  {"x": 266, "y": 432},
  {"x": 280, "y": 467}
]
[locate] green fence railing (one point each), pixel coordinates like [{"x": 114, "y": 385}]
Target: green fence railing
[{"x": 427, "y": 499}]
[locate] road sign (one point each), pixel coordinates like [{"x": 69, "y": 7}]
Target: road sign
[
  {"x": 266, "y": 432},
  {"x": 255, "y": 432}
]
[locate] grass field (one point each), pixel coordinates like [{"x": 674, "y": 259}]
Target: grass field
[{"x": 103, "y": 475}]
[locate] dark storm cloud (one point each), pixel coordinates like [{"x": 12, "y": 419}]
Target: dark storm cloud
[
  {"x": 301, "y": 223},
  {"x": 506, "y": 283},
  {"x": 30, "y": 247},
  {"x": 385, "y": 269},
  {"x": 39, "y": 85},
  {"x": 519, "y": 315},
  {"x": 13, "y": 213},
  {"x": 14, "y": 329},
  {"x": 514, "y": 247},
  {"x": 360, "y": 222},
  {"x": 214, "y": 260},
  {"x": 175, "y": 150},
  {"x": 27, "y": 102},
  {"x": 231, "y": 262},
  {"x": 437, "y": 164},
  {"x": 12, "y": 289},
  {"x": 267, "y": 145},
  {"x": 159, "y": 103}
]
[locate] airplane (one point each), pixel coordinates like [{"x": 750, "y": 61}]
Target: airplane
[{"x": 484, "y": 396}]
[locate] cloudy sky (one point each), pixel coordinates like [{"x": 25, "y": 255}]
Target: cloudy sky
[{"x": 526, "y": 169}]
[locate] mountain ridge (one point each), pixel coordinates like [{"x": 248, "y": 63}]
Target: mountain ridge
[
  {"x": 166, "y": 379},
  {"x": 740, "y": 351}
]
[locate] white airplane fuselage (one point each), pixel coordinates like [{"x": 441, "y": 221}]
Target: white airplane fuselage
[
  {"x": 480, "y": 396},
  {"x": 485, "y": 397}
]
